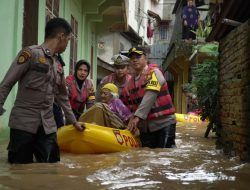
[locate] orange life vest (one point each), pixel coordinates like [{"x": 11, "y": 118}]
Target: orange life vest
[
  {"x": 76, "y": 103},
  {"x": 133, "y": 94}
]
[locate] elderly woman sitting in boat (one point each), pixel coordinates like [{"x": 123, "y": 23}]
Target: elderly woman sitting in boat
[
  {"x": 111, "y": 112},
  {"x": 109, "y": 95}
]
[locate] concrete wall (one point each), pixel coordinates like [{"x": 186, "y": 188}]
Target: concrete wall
[
  {"x": 107, "y": 52},
  {"x": 11, "y": 20},
  {"x": 125, "y": 42},
  {"x": 139, "y": 25},
  {"x": 112, "y": 45},
  {"x": 234, "y": 92}
]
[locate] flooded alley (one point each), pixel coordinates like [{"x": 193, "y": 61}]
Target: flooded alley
[
  {"x": 194, "y": 164},
  {"x": 101, "y": 66}
]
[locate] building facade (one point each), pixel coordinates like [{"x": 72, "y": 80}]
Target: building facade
[{"x": 24, "y": 23}]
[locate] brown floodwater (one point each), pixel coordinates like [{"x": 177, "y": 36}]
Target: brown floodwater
[{"x": 194, "y": 164}]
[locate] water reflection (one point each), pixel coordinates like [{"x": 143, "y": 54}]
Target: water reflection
[{"x": 195, "y": 164}]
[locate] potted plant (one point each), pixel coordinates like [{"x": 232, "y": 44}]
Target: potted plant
[{"x": 203, "y": 30}]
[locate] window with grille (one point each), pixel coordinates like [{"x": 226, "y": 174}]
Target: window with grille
[
  {"x": 73, "y": 45},
  {"x": 163, "y": 32},
  {"x": 52, "y": 9}
]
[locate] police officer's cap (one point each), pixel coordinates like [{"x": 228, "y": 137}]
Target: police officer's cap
[
  {"x": 136, "y": 50},
  {"x": 120, "y": 59}
]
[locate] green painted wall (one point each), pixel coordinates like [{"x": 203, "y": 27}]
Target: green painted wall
[
  {"x": 11, "y": 21},
  {"x": 41, "y": 21},
  {"x": 11, "y": 17},
  {"x": 86, "y": 33}
]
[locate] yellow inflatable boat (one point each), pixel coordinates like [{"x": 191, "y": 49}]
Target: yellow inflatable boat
[
  {"x": 189, "y": 118},
  {"x": 95, "y": 139}
]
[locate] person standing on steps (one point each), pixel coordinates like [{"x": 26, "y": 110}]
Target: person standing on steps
[{"x": 190, "y": 20}]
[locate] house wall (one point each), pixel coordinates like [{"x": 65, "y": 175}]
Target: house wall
[
  {"x": 112, "y": 45},
  {"x": 160, "y": 46},
  {"x": 107, "y": 52},
  {"x": 234, "y": 90},
  {"x": 74, "y": 8},
  {"x": 177, "y": 26},
  {"x": 125, "y": 43},
  {"x": 139, "y": 25},
  {"x": 11, "y": 19},
  {"x": 86, "y": 33}
]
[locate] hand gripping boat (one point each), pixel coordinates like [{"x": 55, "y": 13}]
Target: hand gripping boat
[{"x": 95, "y": 139}]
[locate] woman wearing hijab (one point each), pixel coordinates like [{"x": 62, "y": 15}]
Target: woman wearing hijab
[
  {"x": 109, "y": 96},
  {"x": 80, "y": 89}
]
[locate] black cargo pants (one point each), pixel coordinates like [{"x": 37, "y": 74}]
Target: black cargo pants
[{"x": 23, "y": 146}]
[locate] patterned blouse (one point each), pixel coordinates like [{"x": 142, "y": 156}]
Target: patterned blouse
[
  {"x": 117, "y": 106},
  {"x": 190, "y": 14}
]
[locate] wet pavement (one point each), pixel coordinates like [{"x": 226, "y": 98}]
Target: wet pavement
[{"x": 194, "y": 164}]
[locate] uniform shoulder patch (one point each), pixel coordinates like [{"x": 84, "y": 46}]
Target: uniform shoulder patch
[{"x": 24, "y": 56}]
